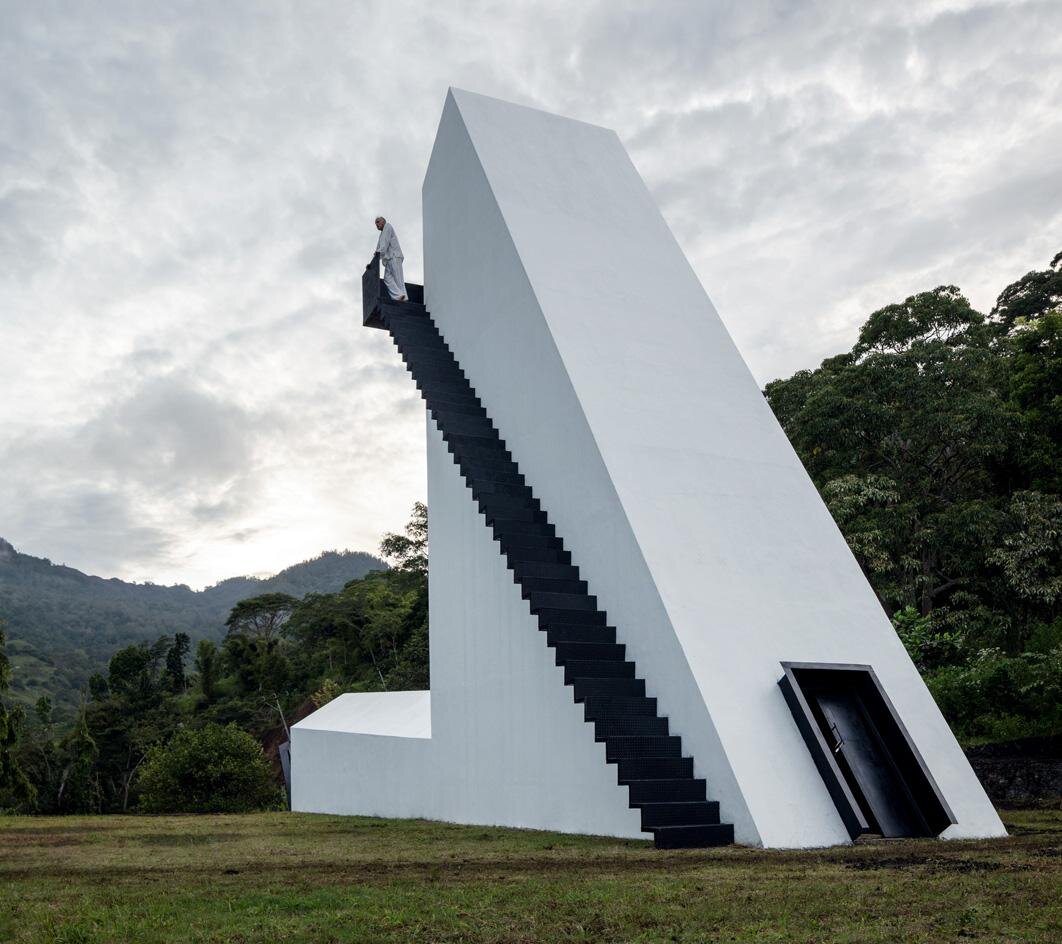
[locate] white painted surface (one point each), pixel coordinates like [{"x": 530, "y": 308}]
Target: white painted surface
[
  {"x": 500, "y": 741},
  {"x": 385, "y": 714},
  {"x": 596, "y": 351}
]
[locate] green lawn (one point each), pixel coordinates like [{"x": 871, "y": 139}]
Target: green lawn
[{"x": 283, "y": 877}]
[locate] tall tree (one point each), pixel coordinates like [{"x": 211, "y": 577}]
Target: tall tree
[
  {"x": 207, "y": 665},
  {"x": 261, "y": 617},
  {"x": 409, "y": 552},
  {"x": 1031, "y": 297},
  {"x": 175, "y": 657},
  {"x": 14, "y": 785}
]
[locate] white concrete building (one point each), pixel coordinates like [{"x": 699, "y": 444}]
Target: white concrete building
[{"x": 605, "y": 421}]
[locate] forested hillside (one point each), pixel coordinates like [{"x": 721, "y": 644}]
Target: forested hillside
[
  {"x": 63, "y": 625},
  {"x": 280, "y": 655}
]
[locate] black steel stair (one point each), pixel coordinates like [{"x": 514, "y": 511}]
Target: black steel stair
[{"x": 648, "y": 757}]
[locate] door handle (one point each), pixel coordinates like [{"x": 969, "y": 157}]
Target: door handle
[{"x": 840, "y": 740}]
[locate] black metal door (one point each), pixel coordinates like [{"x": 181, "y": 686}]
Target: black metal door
[{"x": 879, "y": 785}]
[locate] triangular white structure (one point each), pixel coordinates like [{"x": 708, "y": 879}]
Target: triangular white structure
[{"x": 595, "y": 351}]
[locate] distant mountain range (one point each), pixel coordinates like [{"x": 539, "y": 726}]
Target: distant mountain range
[{"x": 63, "y": 625}]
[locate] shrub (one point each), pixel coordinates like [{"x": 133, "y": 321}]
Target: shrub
[{"x": 213, "y": 769}]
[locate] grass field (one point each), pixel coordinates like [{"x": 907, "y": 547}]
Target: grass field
[{"x": 277, "y": 877}]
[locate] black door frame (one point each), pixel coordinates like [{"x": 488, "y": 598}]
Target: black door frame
[{"x": 799, "y": 682}]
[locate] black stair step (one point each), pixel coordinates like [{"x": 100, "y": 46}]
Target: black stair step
[
  {"x": 486, "y": 452},
  {"x": 598, "y": 669},
  {"x": 660, "y": 791},
  {"x": 477, "y": 474},
  {"x": 454, "y": 390},
  {"x": 463, "y": 424},
  {"x": 552, "y": 571},
  {"x": 493, "y": 469},
  {"x": 426, "y": 352},
  {"x": 569, "y": 652},
  {"x": 654, "y": 768},
  {"x": 404, "y": 316},
  {"x": 423, "y": 346},
  {"x": 680, "y": 813},
  {"x": 693, "y": 837},
  {"x": 606, "y": 706},
  {"x": 420, "y": 361},
  {"x": 439, "y": 373},
  {"x": 627, "y": 727},
  {"x": 484, "y": 436},
  {"x": 547, "y": 616},
  {"x": 444, "y": 409},
  {"x": 624, "y": 746},
  {"x": 539, "y": 555},
  {"x": 445, "y": 413},
  {"x": 552, "y": 585},
  {"x": 407, "y": 310},
  {"x": 527, "y": 514},
  {"x": 487, "y": 439},
  {"x": 490, "y": 446},
  {"x": 512, "y": 526},
  {"x": 497, "y": 503},
  {"x": 573, "y": 632},
  {"x": 559, "y": 601},
  {"x": 541, "y": 541},
  {"x": 410, "y": 323},
  {"x": 483, "y": 490},
  {"x": 585, "y": 687}
]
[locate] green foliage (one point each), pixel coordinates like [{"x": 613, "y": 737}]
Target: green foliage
[
  {"x": 409, "y": 552},
  {"x": 1030, "y": 551},
  {"x": 373, "y": 633},
  {"x": 937, "y": 445},
  {"x": 328, "y": 691},
  {"x": 994, "y": 696},
  {"x": 211, "y": 770},
  {"x": 1031, "y": 297},
  {"x": 929, "y": 643}
]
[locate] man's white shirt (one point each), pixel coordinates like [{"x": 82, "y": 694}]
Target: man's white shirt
[{"x": 387, "y": 245}]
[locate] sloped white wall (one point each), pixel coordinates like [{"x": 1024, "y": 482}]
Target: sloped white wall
[{"x": 594, "y": 347}]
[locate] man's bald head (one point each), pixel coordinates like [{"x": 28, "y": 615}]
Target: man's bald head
[{"x": 380, "y": 222}]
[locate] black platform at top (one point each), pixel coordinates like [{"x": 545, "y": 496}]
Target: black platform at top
[{"x": 374, "y": 295}]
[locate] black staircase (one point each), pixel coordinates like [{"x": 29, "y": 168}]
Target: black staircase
[{"x": 673, "y": 803}]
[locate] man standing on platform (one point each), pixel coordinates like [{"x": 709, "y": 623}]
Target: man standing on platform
[{"x": 391, "y": 254}]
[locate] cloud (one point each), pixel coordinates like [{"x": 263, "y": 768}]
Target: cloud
[{"x": 187, "y": 190}]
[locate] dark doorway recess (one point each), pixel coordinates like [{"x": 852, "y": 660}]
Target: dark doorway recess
[{"x": 871, "y": 768}]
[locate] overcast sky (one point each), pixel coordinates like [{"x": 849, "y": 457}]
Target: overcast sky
[{"x": 187, "y": 192}]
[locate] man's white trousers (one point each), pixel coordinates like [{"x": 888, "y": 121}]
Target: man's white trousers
[{"x": 393, "y": 278}]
